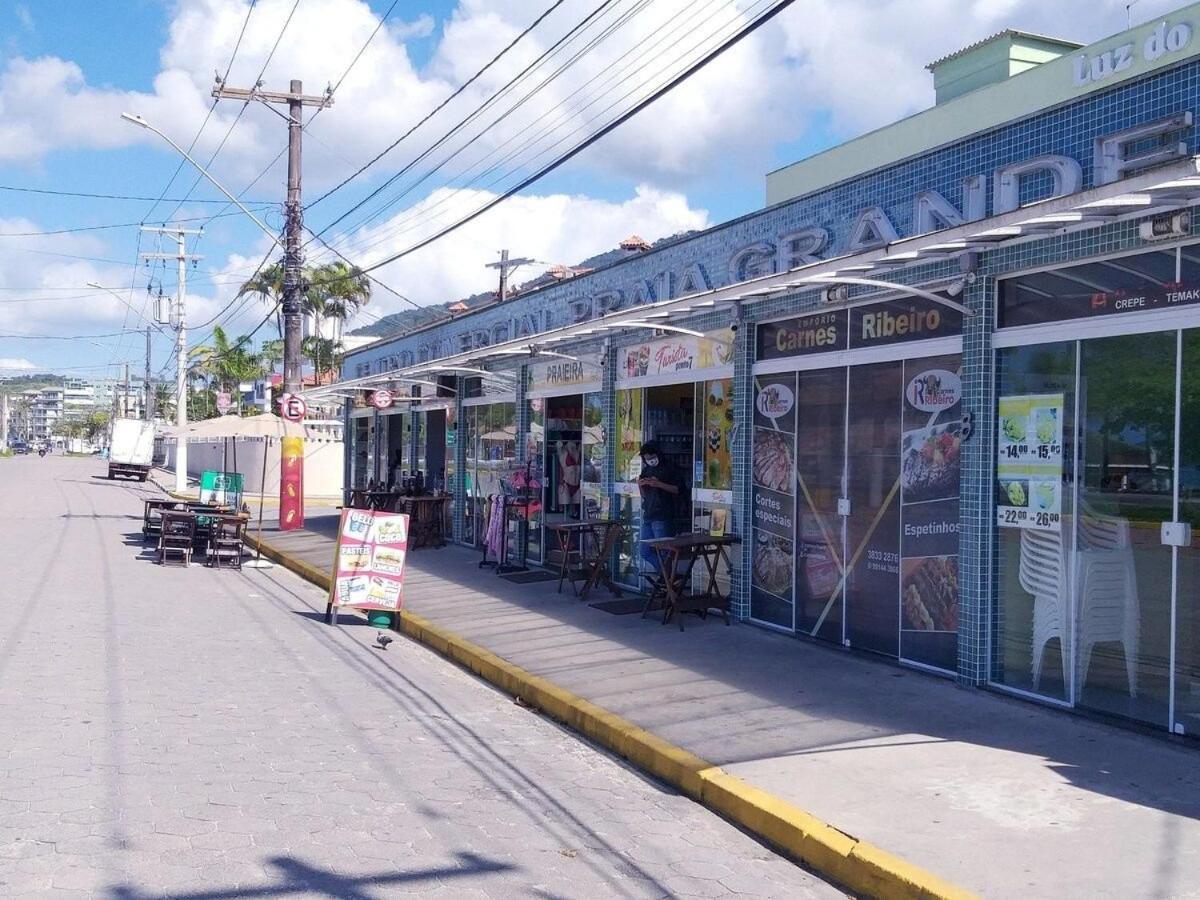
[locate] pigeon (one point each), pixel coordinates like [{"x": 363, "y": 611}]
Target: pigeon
[{"x": 383, "y": 640}]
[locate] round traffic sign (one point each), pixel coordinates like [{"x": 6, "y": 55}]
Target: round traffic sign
[
  {"x": 381, "y": 399},
  {"x": 292, "y": 407}
]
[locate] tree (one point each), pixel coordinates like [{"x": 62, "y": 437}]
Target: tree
[
  {"x": 332, "y": 292},
  {"x": 223, "y": 364}
]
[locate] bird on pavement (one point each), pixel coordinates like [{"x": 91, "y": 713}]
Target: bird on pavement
[{"x": 383, "y": 640}]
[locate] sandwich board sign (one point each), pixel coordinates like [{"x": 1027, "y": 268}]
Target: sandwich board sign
[{"x": 368, "y": 563}]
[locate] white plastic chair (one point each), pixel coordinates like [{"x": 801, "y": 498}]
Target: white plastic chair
[
  {"x": 1108, "y": 596},
  {"x": 1043, "y": 574}
]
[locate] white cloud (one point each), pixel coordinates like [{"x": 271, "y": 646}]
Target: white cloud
[
  {"x": 855, "y": 63},
  {"x": 14, "y": 364},
  {"x": 557, "y": 228}
]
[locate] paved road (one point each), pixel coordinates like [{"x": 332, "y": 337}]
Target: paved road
[{"x": 200, "y": 734}]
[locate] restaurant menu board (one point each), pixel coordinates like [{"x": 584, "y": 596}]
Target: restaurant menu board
[
  {"x": 369, "y": 560},
  {"x": 774, "y": 475},
  {"x": 930, "y": 466},
  {"x": 1029, "y": 465}
]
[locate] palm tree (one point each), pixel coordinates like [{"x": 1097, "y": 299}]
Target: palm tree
[
  {"x": 334, "y": 291},
  {"x": 224, "y": 363}
]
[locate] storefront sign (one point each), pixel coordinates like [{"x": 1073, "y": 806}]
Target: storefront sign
[
  {"x": 1029, "y": 468},
  {"x": 1056, "y": 307},
  {"x": 685, "y": 353},
  {"x": 582, "y": 374},
  {"x": 876, "y": 325},
  {"x": 369, "y": 560},
  {"x": 817, "y": 333},
  {"x": 897, "y": 321},
  {"x": 933, "y": 391}
]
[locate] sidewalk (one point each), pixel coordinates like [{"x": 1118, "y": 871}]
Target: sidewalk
[{"x": 999, "y": 796}]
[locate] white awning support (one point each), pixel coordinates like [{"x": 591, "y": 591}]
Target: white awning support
[{"x": 1163, "y": 189}]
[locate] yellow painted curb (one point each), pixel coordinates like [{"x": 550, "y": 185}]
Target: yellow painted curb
[{"x": 863, "y": 868}]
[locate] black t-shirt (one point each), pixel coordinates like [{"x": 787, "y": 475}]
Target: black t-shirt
[{"x": 659, "y": 505}]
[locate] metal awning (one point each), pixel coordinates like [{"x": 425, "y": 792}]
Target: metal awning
[{"x": 1164, "y": 189}]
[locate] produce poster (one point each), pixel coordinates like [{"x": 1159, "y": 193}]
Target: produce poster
[
  {"x": 369, "y": 563},
  {"x": 717, "y": 474},
  {"x": 774, "y": 524},
  {"x": 629, "y": 433},
  {"x": 930, "y": 467},
  {"x": 1029, "y": 468}
]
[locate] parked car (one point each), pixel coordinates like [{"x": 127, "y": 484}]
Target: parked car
[{"x": 20, "y": 447}]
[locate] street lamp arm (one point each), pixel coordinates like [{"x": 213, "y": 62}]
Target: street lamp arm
[{"x": 142, "y": 123}]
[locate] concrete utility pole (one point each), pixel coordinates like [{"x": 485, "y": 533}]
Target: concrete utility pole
[
  {"x": 504, "y": 266},
  {"x": 182, "y": 257},
  {"x": 125, "y": 399},
  {"x": 148, "y": 409},
  {"x": 296, "y": 100}
]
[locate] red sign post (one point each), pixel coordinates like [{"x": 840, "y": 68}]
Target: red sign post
[{"x": 291, "y": 467}]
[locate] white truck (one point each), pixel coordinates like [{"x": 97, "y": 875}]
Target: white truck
[{"x": 130, "y": 448}]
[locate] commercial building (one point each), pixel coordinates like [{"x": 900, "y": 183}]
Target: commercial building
[{"x": 944, "y": 386}]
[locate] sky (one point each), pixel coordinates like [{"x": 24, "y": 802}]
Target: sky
[{"x": 820, "y": 73}]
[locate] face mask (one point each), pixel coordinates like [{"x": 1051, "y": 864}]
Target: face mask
[{"x": 651, "y": 461}]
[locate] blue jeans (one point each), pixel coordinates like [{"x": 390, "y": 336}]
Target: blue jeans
[{"x": 654, "y": 528}]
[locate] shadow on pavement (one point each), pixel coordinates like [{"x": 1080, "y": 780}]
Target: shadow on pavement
[{"x": 298, "y": 877}]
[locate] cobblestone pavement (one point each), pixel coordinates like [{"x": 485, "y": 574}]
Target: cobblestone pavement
[{"x": 192, "y": 733}]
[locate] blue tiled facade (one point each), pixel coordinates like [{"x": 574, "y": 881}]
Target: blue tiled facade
[{"x": 822, "y": 224}]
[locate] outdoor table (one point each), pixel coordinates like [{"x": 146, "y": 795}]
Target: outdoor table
[
  {"x": 152, "y": 515},
  {"x": 426, "y": 514},
  {"x": 677, "y": 557},
  {"x": 592, "y": 567}
]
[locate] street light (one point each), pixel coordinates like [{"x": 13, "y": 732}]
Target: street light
[
  {"x": 181, "y": 411},
  {"x": 142, "y": 123}
]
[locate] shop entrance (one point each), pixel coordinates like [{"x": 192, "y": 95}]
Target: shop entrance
[
  {"x": 856, "y": 474},
  {"x": 1098, "y": 555},
  {"x": 565, "y": 451}
]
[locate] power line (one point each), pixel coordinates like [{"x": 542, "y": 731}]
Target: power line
[
  {"x": 433, "y": 112},
  {"x": 418, "y": 216},
  {"x": 80, "y": 194},
  {"x": 742, "y": 33},
  {"x": 82, "y": 228},
  {"x": 532, "y": 128}
]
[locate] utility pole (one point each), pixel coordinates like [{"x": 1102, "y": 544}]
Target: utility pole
[
  {"x": 148, "y": 408},
  {"x": 296, "y": 100},
  {"x": 182, "y": 257},
  {"x": 504, "y": 266},
  {"x": 125, "y": 399}
]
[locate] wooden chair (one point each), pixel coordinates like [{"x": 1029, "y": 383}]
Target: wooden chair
[
  {"x": 225, "y": 544},
  {"x": 152, "y": 517},
  {"x": 178, "y": 534}
]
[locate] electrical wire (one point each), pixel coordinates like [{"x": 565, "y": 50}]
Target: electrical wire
[
  {"x": 438, "y": 108},
  {"x": 129, "y": 197},
  {"x": 748, "y": 29},
  {"x": 83, "y": 228},
  {"x": 415, "y": 218}
]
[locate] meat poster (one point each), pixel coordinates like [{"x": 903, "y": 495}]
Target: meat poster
[
  {"x": 369, "y": 560},
  {"x": 930, "y": 467},
  {"x": 774, "y": 506}
]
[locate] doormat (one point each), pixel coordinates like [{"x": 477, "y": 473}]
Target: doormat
[
  {"x": 531, "y": 577},
  {"x": 622, "y": 607}
]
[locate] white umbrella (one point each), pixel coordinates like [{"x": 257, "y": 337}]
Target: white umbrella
[{"x": 265, "y": 425}]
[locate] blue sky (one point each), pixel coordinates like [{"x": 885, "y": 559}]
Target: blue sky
[{"x": 69, "y": 68}]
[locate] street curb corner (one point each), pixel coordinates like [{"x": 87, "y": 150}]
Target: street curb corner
[{"x": 862, "y": 867}]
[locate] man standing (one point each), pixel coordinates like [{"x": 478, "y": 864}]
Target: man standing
[{"x": 661, "y": 487}]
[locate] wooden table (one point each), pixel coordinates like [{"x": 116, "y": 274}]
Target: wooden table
[
  {"x": 425, "y": 517},
  {"x": 592, "y": 568},
  {"x": 677, "y": 557},
  {"x": 379, "y": 500}
]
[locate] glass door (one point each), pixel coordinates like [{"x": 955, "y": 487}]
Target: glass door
[
  {"x": 1123, "y": 571},
  {"x": 1186, "y": 719}
]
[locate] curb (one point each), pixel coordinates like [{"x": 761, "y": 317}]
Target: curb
[{"x": 857, "y": 865}]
